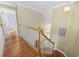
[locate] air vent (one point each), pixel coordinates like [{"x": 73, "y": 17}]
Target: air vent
[{"x": 62, "y": 32}]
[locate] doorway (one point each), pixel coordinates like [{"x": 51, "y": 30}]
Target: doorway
[{"x": 9, "y": 22}]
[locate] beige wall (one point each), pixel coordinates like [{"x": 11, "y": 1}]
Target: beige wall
[
  {"x": 29, "y": 17},
  {"x": 70, "y": 20}
]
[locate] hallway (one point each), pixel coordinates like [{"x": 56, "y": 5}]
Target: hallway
[{"x": 24, "y": 25}]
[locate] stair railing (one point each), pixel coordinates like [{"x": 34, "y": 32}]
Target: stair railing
[
  {"x": 40, "y": 31},
  {"x": 48, "y": 40}
]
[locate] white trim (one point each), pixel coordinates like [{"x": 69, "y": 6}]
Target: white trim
[
  {"x": 61, "y": 52},
  {"x": 8, "y": 5}
]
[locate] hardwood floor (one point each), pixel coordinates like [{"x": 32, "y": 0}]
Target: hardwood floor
[{"x": 15, "y": 46}]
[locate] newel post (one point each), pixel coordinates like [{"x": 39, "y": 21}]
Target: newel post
[{"x": 39, "y": 49}]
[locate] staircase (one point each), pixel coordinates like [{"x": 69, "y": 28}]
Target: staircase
[{"x": 15, "y": 46}]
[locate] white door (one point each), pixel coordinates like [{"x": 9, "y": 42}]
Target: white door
[{"x": 9, "y": 20}]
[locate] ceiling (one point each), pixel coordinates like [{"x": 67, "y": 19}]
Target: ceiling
[
  {"x": 44, "y": 6},
  {"x": 39, "y": 5}
]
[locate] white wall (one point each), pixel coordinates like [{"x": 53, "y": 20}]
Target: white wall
[
  {"x": 70, "y": 21},
  {"x": 29, "y": 17}
]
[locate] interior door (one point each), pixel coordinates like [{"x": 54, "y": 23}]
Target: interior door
[{"x": 9, "y": 20}]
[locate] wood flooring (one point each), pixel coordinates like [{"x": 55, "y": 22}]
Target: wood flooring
[{"x": 15, "y": 46}]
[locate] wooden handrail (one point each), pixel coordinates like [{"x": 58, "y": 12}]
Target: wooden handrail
[{"x": 47, "y": 37}]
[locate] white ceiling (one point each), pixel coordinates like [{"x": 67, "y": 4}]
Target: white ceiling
[
  {"x": 44, "y": 6},
  {"x": 39, "y": 5}
]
